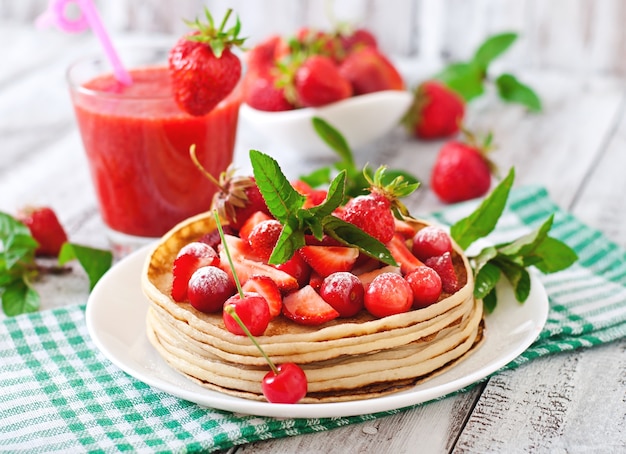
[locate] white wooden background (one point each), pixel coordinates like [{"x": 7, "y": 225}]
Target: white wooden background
[{"x": 568, "y": 35}]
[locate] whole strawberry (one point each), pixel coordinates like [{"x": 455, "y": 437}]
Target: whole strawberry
[
  {"x": 462, "y": 170},
  {"x": 374, "y": 213},
  {"x": 203, "y": 68},
  {"x": 436, "y": 112},
  {"x": 45, "y": 228},
  {"x": 318, "y": 82},
  {"x": 368, "y": 71},
  {"x": 238, "y": 198}
]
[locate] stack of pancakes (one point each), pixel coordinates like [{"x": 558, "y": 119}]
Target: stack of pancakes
[{"x": 346, "y": 359}]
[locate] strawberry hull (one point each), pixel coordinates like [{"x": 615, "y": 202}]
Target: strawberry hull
[{"x": 137, "y": 143}]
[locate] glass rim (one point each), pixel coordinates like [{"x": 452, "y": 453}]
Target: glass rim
[{"x": 99, "y": 58}]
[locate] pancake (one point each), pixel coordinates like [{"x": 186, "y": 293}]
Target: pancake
[{"x": 345, "y": 359}]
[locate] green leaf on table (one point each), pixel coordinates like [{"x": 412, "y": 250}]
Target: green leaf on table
[
  {"x": 18, "y": 297},
  {"x": 484, "y": 219},
  {"x": 94, "y": 261},
  {"x": 493, "y": 47},
  {"x": 465, "y": 78},
  {"x": 511, "y": 89}
]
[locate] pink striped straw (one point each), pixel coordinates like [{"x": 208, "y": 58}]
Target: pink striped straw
[{"x": 89, "y": 17}]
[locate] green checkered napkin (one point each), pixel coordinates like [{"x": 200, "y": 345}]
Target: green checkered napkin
[{"x": 59, "y": 393}]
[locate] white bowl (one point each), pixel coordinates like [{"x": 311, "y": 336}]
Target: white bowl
[{"x": 360, "y": 119}]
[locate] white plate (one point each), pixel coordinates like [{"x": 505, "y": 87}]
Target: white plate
[{"x": 116, "y": 312}]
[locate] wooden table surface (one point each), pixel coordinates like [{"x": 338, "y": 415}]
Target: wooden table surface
[{"x": 573, "y": 402}]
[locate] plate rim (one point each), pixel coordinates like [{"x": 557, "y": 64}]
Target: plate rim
[{"x": 220, "y": 401}]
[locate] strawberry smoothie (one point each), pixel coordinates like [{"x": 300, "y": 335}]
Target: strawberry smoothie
[{"x": 137, "y": 142}]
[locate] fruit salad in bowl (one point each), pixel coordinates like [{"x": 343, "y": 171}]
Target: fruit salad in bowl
[{"x": 342, "y": 77}]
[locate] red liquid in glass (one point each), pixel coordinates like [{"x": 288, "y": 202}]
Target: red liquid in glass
[{"x": 137, "y": 142}]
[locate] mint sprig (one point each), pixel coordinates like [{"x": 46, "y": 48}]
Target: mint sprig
[
  {"x": 356, "y": 178},
  {"x": 511, "y": 259},
  {"x": 469, "y": 78},
  {"x": 19, "y": 269},
  {"x": 286, "y": 205}
]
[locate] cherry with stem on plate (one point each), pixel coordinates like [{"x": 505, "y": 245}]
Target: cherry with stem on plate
[{"x": 284, "y": 383}]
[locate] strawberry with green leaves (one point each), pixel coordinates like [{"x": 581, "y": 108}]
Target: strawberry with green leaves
[
  {"x": 203, "y": 68},
  {"x": 375, "y": 212},
  {"x": 436, "y": 112},
  {"x": 462, "y": 170}
]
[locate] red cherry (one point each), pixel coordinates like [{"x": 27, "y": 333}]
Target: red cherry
[
  {"x": 388, "y": 294},
  {"x": 344, "y": 292},
  {"x": 431, "y": 241},
  {"x": 287, "y": 386},
  {"x": 253, "y": 311},
  {"x": 426, "y": 286},
  {"x": 208, "y": 288}
]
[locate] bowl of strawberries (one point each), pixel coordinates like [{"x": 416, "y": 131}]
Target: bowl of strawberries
[{"x": 341, "y": 77}]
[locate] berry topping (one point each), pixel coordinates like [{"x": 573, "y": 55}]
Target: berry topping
[
  {"x": 388, "y": 294},
  {"x": 209, "y": 287},
  {"x": 431, "y": 241},
  {"x": 263, "y": 237},
  {"x": 286, "y": 385},
  {"x": 307, "y": 307},
  {"x": 253, "y": 311},
  {"x": 426, "y": 286},
  {"x": 445, "y": 269},
  {"x": 326, "y": 260},
  {"x": 267, "y": 288},
  {"x": 191, "y": 257},
  {"x": 344, "y": 292},
  {"x": 401, "y": 252}
]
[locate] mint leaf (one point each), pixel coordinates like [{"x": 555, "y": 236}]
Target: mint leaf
[
  {"x": 334, "y": 198},
  {"x": 95, "y": 262},
  {"x": 288, "y": 243},
  {"x": 485, "y": 280},
  {"x": 518, "y": 276},
  {"x": 19, "y": 298},
  {"x": 554, "y": 256},
  {"x": 512, "y": 90},
  {"x": 282, "y": 199},
  {"x": 334, "y": 139},
  {"x": 490, "y": 301},
  {"x": 493, "y": 47},
  {"x": 465, "y": 78},
  {"x": 484, "y": 219},
  {"x": 318, "y": 177},
  {"x": 526, "y": 244},
  {"x": 350, "y": 235}
]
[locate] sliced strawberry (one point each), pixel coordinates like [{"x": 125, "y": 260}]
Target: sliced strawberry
[
  {"x": 190, "y": 258},
  {"x": 307, "y": 307},
  {"x": 445, "y": 269},
  {"x": 251, "y": 222},
  {"x": 402, "y": 254},
  {"x": 297, "y": 267},
  {"x": 246, "y": 265},
  {"x": 315, "y": 280},
  {"x": 368, "y": 277},
  {"x": 404, "y": 228},
  {"x": 326, "y": 260},
  {"x": 267, "y": 288}
]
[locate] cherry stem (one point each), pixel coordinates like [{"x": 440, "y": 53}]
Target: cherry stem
[
  {"x": 194, "y": 158},
  {"x": 231, "y": 311},
  {"x": 230, "y": 260}
]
